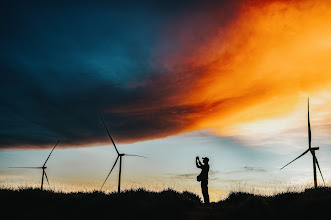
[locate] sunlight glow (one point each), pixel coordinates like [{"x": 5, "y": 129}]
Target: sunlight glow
[{"x": 259, "y": 69}]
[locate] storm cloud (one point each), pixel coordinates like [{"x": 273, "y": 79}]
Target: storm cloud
[
  {"x": 63, "y": 64},
  {"x": 154, "y": 69}
]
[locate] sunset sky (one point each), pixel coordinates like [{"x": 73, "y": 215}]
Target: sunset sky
[{"x": 173, "y": 80}]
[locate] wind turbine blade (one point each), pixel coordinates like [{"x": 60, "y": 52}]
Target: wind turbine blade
[
  {"x": 309, "y": 130},
  {"x": 47, "y": 180},
  {"x": 109, "y": 134},
  {"x": 110, "y": 172},
  {"x": 51, "y": 153},
  {"x": 134, "y": 155},
  {"x": 296, "y": 158},
  {"x": 319, "y": 169},
  {"x": 27, "y": 167}
]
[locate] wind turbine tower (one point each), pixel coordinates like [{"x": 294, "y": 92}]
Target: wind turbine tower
[
  {"x": 43, "y": 168},
  {"x": 119, "y": 156},
  {"x": 312, "y": 151}
]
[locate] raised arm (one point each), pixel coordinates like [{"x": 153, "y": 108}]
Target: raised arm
[{"x": 197, "y": 162}]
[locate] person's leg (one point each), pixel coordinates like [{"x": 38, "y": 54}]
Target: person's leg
[
  {"x": 207, "y": 194},
  {"x": 203, "y": 191},
  {"x": 204, "y": 187}
]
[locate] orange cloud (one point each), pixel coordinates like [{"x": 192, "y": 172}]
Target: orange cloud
[{"x": 257, "y": 65}]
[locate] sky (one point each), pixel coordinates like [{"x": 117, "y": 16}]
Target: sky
[{"x": 229, "y": 80}]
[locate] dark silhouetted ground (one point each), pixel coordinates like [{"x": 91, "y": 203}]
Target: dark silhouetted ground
[{"x": 168, "y": 204}]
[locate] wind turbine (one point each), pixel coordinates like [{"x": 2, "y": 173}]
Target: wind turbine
[
  {"x": 43, "y": 168},
  {"x": 312, "y": 151},
  {"x": 119, "y": 156}
]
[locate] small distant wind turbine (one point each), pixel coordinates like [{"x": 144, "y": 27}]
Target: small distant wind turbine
[
  {"x": 312, "y": 151},
  {"x": 43, "y": 168},
  {"x": 119, "y": 155}
]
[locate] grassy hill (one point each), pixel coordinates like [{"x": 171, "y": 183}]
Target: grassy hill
[{"x": 168, "y": 204}]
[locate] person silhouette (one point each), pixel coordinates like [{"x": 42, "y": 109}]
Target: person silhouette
[{"x": 203, "y": 177}]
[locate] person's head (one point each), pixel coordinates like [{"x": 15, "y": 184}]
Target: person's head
[{"x": 205, "y": 160}]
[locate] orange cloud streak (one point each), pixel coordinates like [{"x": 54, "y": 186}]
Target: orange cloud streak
[{"x": 258, "y": 65}]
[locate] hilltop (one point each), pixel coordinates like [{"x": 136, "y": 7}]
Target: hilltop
[{"x": 168, "y": 204}]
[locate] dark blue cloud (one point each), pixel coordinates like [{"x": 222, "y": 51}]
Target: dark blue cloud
[
  {"x": 70, "y": 38},
  {"x": 64, "y": 62}
]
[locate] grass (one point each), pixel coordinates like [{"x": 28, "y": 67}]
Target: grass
[
  {"x": 168, "y": 204},
  {"x": 33, "y": 203}
]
